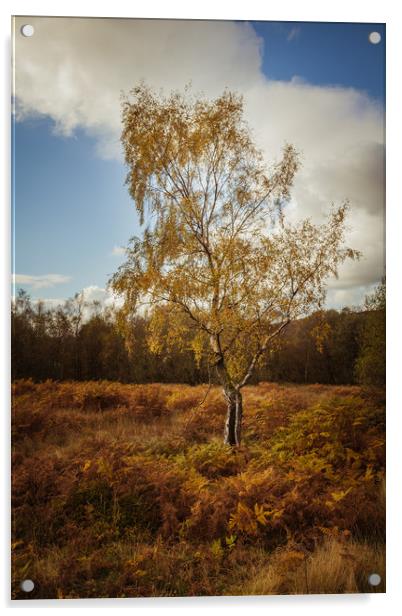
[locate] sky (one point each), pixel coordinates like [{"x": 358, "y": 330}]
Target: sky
[{"x": 320, "y": 86}]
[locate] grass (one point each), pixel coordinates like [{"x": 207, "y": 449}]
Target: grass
[
  {"x": 128, "y": 491},
  {"x": 335, "y": 566}
]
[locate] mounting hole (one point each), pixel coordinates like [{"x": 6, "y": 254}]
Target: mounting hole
[
  {"x": 374, "y": 579},
  {"x": 27, "y": 585},
  {"x": 27, "y": 30},
  {"x": 375, "y": 38}
]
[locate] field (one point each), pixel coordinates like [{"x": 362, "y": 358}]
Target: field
[{"x": 128, "y": 490}]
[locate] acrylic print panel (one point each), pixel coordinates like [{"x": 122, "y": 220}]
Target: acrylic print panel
[{"x": 198, "y": 308}]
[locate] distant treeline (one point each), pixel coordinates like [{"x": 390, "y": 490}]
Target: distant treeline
[{"x": 77, "y": 342}]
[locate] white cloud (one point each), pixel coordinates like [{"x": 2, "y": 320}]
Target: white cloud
[
  {"x": 352, "y": 297},
  {"x": 49, "y": 302},
  {"x": 73, "y": 70},
  {"x": 90, "y": 294},
  {"x": 293, "y": 34},
  {"x": 118, "y": 251},
  {"x": 40, "y": 282},
  {"x": 105, "y": 297}
]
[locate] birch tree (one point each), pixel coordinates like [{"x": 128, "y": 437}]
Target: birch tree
[{"x": 218, "y": 262}]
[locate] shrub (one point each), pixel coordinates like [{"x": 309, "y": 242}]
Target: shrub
[
  {"x": 215, "y": 459},
  {"x": 184, "y": 398},
  {"x": 148, "y": 402},
  {"x": 143, "y": 498}
]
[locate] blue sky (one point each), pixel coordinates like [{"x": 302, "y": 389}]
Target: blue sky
[
  {"x": 71, "y": 208},
  {"x": 325, "y": 54}
]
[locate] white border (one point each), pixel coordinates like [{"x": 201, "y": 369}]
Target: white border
[{"x": 290, "y": 10}]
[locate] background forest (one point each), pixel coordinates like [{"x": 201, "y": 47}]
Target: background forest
[{"x": 80, "y": 342}]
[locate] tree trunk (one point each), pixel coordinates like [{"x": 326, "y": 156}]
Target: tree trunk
[{"x": 232, "y": 435}]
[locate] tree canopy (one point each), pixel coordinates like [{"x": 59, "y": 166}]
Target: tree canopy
[
  {"x": 218, "y": 260},
  {"x": 370, "y": 366}
]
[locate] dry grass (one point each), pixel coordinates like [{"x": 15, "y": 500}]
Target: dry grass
[
  {"x": 127, "y": 490},
  {"x": 333, "y": 567}
]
